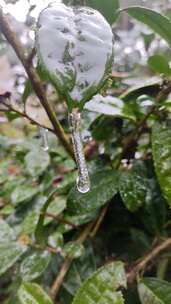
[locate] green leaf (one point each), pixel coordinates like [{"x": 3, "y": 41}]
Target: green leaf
[
  {"x": 22, "y": 194},
  {"x": 104, "y": 185},
  {"x": 73, "y": 250},
  {"x": 152, "y": 290},
  {"x": 34, "y": 265},
  {"x": 109, "y": 105},
  {"x": 108, "y": 8},
  {"x": 6, "y": 232},
  {"x": 9, "y": 254},
  {"x": 36, "y": 162},
  {"x": 160, "y": 64},
  {"x": 101, "y": 286},
  {"x": 28, "y": 90},
  {"x": 79, "y": 271},
  {"x": 56, "y": 207},
  {"x": 133, "y": 189},
  {"x": 32, "y": 293},
  {"x": 161, "y": 148},
  {"x": 159, "y": 23},
  {"x": 146, "y": 87}
]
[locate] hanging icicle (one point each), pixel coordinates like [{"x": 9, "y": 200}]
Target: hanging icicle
[
  {"x": 83, "y": 181},
  {"x": 44, "y": 136}
]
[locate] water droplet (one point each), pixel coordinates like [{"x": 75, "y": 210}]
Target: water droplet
[
  {"x": 83, "y": 181},
  {"x": 44, "y": 136}
]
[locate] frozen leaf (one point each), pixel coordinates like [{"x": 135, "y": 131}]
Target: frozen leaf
[
  {"x": 23, "y": 193},
  {"x": 75, "y": 46}
]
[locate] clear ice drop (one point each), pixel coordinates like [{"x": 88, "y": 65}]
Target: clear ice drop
[
  {"x": 44, "y": 136},
  {"x": 83, "y": 181}
]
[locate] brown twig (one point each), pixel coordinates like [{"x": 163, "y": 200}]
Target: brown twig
[
  {"x": 60, "y": 219},
  {"x": 67, "y": 262},
  {"x": 37, "y": 85},
  {"x": 142, "y": 264}
]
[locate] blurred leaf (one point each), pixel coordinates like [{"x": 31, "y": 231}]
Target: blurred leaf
[
  {"x": 161, "y": 148},
  {"x": 36, "y": 162},
  {"x": 32, "y": 293},
  {"x": 28, "y": 90},
  {"x": 56, "y": 207},
  {"x": 133, "y": 189},
  {"x": 109, "y": 105},
  {"x": 9, "y": 254},
  {"x": 154, "y": 291},
  {"x": 160, "y": 24},
  {"x": 22, "y": 194},
  {"x": 76, "y": 220},
  {"x": 6, "y": 232},
  {"x": 160, "y": 64},
  {"x": 104, "y": 185},
  {"x": 108, "y": 8},
  {"x": 79, "y": 271},
  {"x": 34, "y": 265},
  {"x": 147, "y": 86},
  {"x": 107, "y": 279},
  {"x": 73, "y": 250}
]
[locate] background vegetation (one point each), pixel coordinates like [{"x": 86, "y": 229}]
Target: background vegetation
[{"x": 53, "y": 239}]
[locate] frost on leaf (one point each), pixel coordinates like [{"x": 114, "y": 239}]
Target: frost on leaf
[{"x": 75, "y": 46}]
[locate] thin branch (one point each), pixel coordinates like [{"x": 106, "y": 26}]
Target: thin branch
[
  {"x": 37, "y": 85},
  {"x": 142, "y": 264},
  {"x": 60, "y": 219},
  {"x": 67, "y": 262}
]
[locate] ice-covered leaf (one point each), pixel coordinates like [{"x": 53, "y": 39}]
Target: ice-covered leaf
[
  {"x": 57, "y": 206},
  {"x": 161, "y": 147},
  {"x": 75, "y": 46},
  {"x": 108, "y": 105},
  {"x": 101, "y": 286},
  {"x": 34, "y": 265},
  {"x": 36, "y": 162},
  {"x": 159, "y": 23},
  {"x": 32, "y": 293},
  {"x": 9, "y": 254},
  {"x": 152, "y": 290},
  {"x": 104, "y": 185},
  {"x": 133, "y": 189}
]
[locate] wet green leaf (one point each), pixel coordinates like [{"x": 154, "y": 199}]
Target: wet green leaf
[
  {"x": 9, "y": 254},
  {"x": 32, "y": 293},
  {"x": 161, "y": 147},
  {"x": 133, "y": 189},
  {"x": 73, "y": 250},
  {"x": 108, "y": 8},
  {"x": 160, "y": 64},
  {"x": 34, "y": 265},
  {"x": 104, "y": 185},
  {"x": 159, "y": 23},
  {"x": 22, "y": 194},
  {"x": 6, "y": 232},
  {"x": 36, "y": 162},
  {"x": 152, "y": 290},
  {"x": 101, "y": 286},
  {"x": 56, "y": 207}
]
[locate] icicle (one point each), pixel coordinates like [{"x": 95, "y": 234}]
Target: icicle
[
  {"x": 83, "y": 182},
  {"x": 44, "y": 133}
]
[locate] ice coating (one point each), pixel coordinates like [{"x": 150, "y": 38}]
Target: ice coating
[{"x": 75, "y": 45}]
